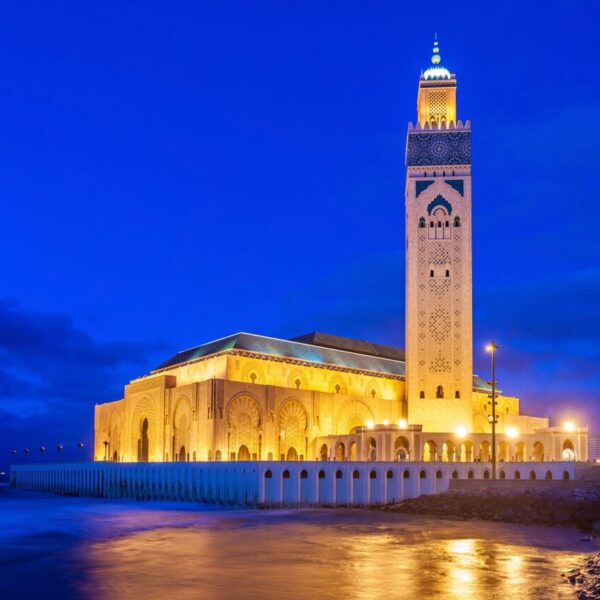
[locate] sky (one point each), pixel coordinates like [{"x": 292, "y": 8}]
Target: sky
[{"x": 171, "y": 173}]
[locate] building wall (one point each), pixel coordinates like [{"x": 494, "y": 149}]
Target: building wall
[{"x": 262, "y": 410}]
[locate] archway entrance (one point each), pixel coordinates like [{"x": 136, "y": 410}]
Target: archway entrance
[
  {"x": 182, "y": 454},
  {"x": 568, "y": 452},
  {"x": 243, "y": 453},
  {"x": 143, "y": 442},
  {"x": 115, "y": 456},
  {"x": 340, "y": 451},
  {"x": 324, "y": 452},
  {"x": 292, "y": 454}
]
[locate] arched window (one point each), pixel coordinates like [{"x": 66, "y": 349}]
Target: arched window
[
  {"x": 431, "y": 273},
  {"x": 517, "y": 475},
  {"x": 338, "y": 474},
  {"x": 486, "y": 474},
  {"x": 356, "y": 475},
  {"x": 456, "y": 221},
  {"x": 440, "y": 391},
  {"x": 268, "y": 474},
  {"x": 532, "y": 475},
  {"x": 406, "y": 474},
  {"x": 548, "y": 474},
  {"x": 447, "y": 272},
  {"x": 502, "y": 475},
  {"x": 373, "y": 475},
  {"x": 303, "y": 474},
  {"x": 470, "y": 475},
  {"x": 566, "y": 475},
  {"x": 422, "y": 394},
  {"x": 390, "y": 475},
  {"x": 321, "y": 474},
  {"x": 454, "y": 474},
  {"x": 438, "y": 474},
  {"x": 431, "y": 224},
  {"x": 422, "y": 222},
  {"x": 457, "y": 394},
  {"x": 286, "y": 474},
  {"x": 423, "y": 475}
]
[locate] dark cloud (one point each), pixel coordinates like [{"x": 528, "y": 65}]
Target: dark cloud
[{"x": 52, "y": 373}]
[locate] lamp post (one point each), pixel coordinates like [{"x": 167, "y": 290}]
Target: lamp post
[
  {"x": 491, "y": 348},
  {"x": 80, "y": 446},
  {"x": 105, "y": 442}
]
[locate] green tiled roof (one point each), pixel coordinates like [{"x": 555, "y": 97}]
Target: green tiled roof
[
  {"x": 289, "y": 349},
  {"x": 358, "y": 354}
]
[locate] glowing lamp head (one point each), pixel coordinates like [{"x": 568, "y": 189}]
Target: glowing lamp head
[
  {"x": 402, "y": 424},
  {"x": 370, "y": 424},
  {"x": 492, "y": 347},
  {"x": 386, "y": 422},
  {"x": 570, "y": 426},
  {"x": 460, "y": 431},
  {"x": 512, "y": 432}
]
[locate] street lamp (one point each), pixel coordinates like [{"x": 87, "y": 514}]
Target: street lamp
[
  {"x": 42, "y": 450},
  {"x": 80, "y": 446},
  {"x": 59, "y": 448},
  {"x": 14, "y": 454},
  {"x": 491, "y": 348},
  {"x": 106, "y": 442},
  {"x": 26, "y": 452}
]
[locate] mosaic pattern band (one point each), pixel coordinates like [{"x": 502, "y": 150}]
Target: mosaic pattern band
[{"x": 438, "y": 148}]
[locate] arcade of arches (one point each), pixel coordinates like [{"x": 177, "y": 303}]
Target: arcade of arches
[{"x": 260, "y": 409}]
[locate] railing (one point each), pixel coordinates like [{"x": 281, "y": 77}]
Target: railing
[{"x": 269, "y": 484}]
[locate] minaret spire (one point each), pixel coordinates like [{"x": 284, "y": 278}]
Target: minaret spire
[{"x": 436, "y": 58}]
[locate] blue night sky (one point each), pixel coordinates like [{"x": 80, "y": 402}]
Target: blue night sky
[{"x": 175, "y": 172}]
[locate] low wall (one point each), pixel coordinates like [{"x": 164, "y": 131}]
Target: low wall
[{"x": 267, "y": 484}]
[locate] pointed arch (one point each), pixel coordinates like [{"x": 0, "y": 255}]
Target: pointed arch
[
  {"x": 292, "y": 427},
  {"x": 351, "y": 414},
  {"x": 244, "y": 419}
]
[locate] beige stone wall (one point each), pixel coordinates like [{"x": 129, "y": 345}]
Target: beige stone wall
[
  {"x": 439, "y": 336},
  {"x": 262, "y": 409}
]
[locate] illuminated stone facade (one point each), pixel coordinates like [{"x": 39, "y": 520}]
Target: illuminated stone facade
[{"x": 320, "y": 397}]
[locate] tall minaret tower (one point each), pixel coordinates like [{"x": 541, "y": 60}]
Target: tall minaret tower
[{"x": 439, "y": 335}]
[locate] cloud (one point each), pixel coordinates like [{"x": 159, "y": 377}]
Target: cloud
[{"x": 52, "y": 373}]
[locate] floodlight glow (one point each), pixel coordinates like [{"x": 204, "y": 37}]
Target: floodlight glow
[
  {"x": 570, "y": 426},
  {"x": 512, "y": 432},
  {"x": 370, "y": 424},
  {"x": 402, "y": 424},
  {"x": 461, "y": 431}
]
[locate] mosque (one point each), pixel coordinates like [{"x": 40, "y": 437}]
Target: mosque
[{"x": 323, "y": 397}]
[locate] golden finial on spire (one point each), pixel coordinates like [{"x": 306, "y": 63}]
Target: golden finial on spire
[{"x": 436, "y": 58}]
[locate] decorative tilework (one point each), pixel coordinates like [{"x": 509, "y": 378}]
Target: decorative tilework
[
  {"x": 422, "y": 184},
  {"x": 439, "y": 201},
  {"x": 457, "y": 184},
  {"x": 438, "y": 149}
]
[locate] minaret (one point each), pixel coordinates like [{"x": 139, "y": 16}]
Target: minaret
[{"x": 439, "y": 337}]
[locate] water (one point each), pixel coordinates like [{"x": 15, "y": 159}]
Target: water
[{"x": 67, "y": 548}]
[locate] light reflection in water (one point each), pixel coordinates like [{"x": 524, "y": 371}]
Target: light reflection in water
[
  {"x": 72, "y": 548},
  {"x": 322, "y": 555}
]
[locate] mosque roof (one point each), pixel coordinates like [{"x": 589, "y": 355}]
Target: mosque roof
[
  {"x": 300, "y": 350},
  {"x": 319, "y": 348},
  {"x": 436, "y": 71}
]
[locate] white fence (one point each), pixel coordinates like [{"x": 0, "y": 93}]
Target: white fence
[{"x": 270, "y": 484}]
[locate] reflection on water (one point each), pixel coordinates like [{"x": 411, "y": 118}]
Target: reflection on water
[{"x": 75, "y": 548}]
